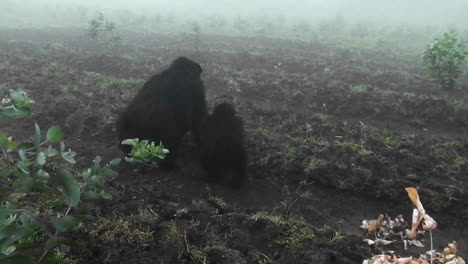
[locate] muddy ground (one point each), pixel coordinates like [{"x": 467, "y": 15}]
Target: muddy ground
[{"x": 355, "y": 128}]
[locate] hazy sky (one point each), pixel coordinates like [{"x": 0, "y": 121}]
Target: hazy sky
[{"x": 393, "y": 11}]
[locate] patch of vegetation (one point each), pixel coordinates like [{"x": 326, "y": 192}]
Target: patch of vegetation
[
  {"x": 289, "y": 154},
  {"x": 459, "y": 161},
  {"x": 295, "y": 236},
  {"x": 336, "y": 238},
  {"x": 55, "y": 71},
  {"x": 103, "y": 32},
  {"x": 261, "y": 258},
  {"x": 173, "y": 233},
  {"x": 444, "y": 58},
  {"x": 143, "y": 152},
  {"x": 315, "y": 164},
  {"x": 108, "y": 82},
  {"x": 129, "y": 230},
  {"x": 295, "y": 230},
  {"x": 125, "y": 95},
  {"x": 349, "y": 145},
  {"x": 262, "y": 215},
  {"x": 316, "y": 145},
  {"x": 7, "y": 65},
  {"x": 59, "y": 257},
  {"x": 34, "y": 168},
  {"x": 452, "y": 157},
  {"x": 456, "y": 106},
  {"x": 70, "y": 87},
  {"x": 359, "y": 88},
  {"x": 352, "y": 146},
  {"x": 388, "y": 140}
]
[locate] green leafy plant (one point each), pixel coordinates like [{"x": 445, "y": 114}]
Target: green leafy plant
[
  {"x": 55, "y": 70},
  {"x": 144, "y": 152},
  {"x": 17, "y": 105},
  {"x": 444, "y": 58},
  {"x": 34, "y": 168}
]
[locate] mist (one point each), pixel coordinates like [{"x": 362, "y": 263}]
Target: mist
[{"x": 376, "y": 12}]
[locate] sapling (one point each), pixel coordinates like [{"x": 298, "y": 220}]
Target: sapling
[{"x": 444, "y": 58}]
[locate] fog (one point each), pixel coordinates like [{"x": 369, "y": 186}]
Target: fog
[
  {"x": 402, "y": 22},
  {"x": 420, "y": 12}
]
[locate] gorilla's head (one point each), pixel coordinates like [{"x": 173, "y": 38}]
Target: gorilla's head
[
  {"x": 224, "y": 110},
  {"x": 186, "y": 67}
]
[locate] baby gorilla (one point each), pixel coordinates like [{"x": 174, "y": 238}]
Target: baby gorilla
[
  {"x": 222, "y": 146},
  {"x": 167, "y": 106}
]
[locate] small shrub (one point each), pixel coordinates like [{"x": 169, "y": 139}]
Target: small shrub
[
  {"x": 445, "y": 58},
  {"x": 103, "y": 31},
  {"x": 54, "y": 70},
  {"x": 144, "y": 152}
]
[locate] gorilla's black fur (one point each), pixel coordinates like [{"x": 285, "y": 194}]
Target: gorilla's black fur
[
  {"x": 222, "y": 145},
  {"x": 167, "y": 106}
]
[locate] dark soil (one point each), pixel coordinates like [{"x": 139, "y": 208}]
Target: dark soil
[{"x": 357, "y": 130}]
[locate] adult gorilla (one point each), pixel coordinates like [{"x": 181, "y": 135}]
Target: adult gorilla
[{"x": 167, "y": 106}]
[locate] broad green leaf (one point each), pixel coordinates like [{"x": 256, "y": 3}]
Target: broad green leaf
[
  {"x": 7, "y": 144},
  {"x": 24, "y": 184},
  {"x": 71, "y": 188},
  {"x": 24, "y": 166},
  {"x": 6, "y": 232},
  {"x": 97, "y": 181},
  {"x": 22, "y": 155},
  {"x": 51, "y": 152},
  {"x": 66, "y": 223},
  {"x": 69, "y": 158},
  {"x": 37, "y": 136},
  {"x": 131, "y": 142},
  {"x": 19, "y": 233},
  {"x": 107, "y": 172},
  {"x": 41, "y": 159},
  {"x": 86, "y": 174},
  {"x": 43, "y": 175},
  {"x": 106, "y": 195},
  {"x": 90, "y": 195},
  {"x": 115, "y": 162},
  {"x": 18, "y": 95},
  {"x": 26, "y": 145},
  {"x": 97, "y": 162},
  {"x": 54, "y": 134},
  {"x": 13, "y": 112},
  {"x": 7, "y": 251},
  {"x": 11, "y": 219},
  {"x": 5, "y": 173},
  {"x": 44, "y": 188}
]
